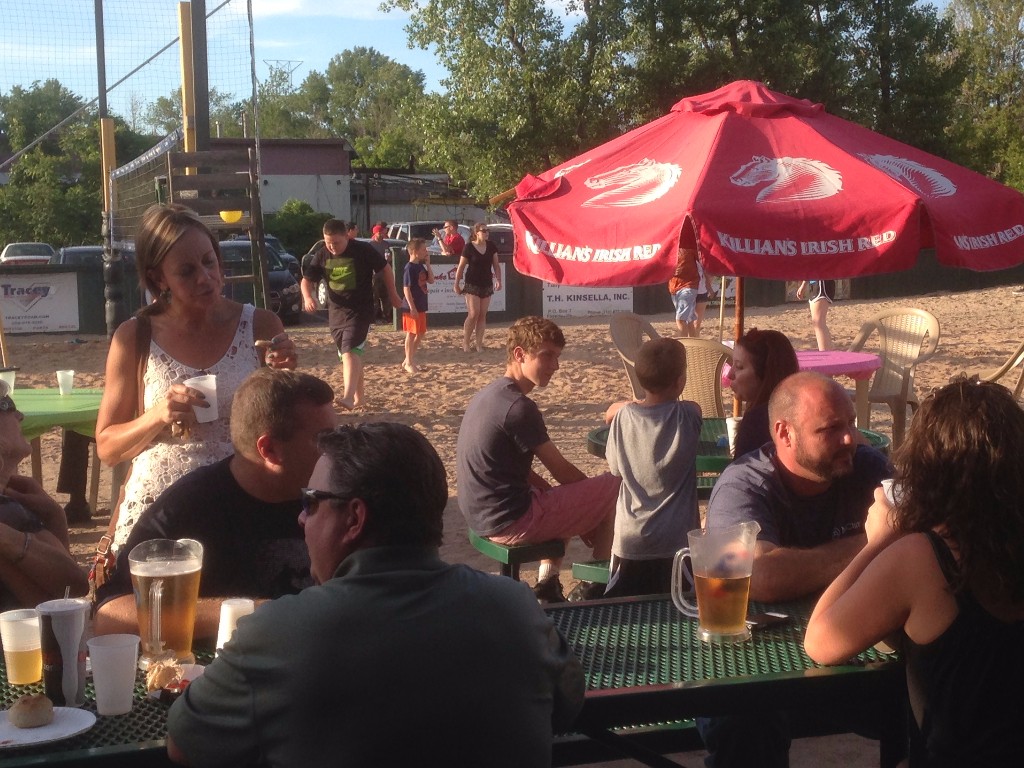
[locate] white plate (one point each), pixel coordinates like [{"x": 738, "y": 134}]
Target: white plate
[{"x": 67, "y": 722}]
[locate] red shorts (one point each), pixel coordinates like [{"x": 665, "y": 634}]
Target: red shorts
[
  {"x": 417, "y": 326},
  {"x": 564, "y": 511}
]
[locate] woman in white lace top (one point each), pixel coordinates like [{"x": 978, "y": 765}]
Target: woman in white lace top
[{"x": 194, "y": 330}]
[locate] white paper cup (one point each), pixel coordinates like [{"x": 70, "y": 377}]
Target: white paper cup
[
  {"x": 114, "y": 659},
  {"x": 206, "y": 384},
  {"x": 65, "y": 381},
  {"x": 891, "y": 490},
  {"x": 19, "y": 631},
  {"x": 7, "y": 377},
  {"x": 231, "y": 610},
  {"x": 732, "y": 427}
]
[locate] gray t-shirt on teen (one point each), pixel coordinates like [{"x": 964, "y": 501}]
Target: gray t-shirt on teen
[
  {"x": 653, "y": 448},
  {"x": 494, "y": 456},
  {"x": 751, "y": 489}
]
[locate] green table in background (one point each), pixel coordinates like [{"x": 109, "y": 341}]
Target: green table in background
[
  {"x": 45, "y": 409},
  {"x": 712, "y": 451}
]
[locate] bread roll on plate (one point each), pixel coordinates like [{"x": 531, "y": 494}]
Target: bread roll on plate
[{"x": 31, "y": 711}]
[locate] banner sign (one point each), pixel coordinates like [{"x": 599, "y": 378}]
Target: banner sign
[
  {"x": 574, "y": 301},
  {"x": 39, "y": 303}
]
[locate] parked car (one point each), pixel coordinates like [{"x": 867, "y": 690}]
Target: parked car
[
  {"x": 289, "y": 260},
  {"x": 500, "y": 235},
  {"x": 407, "y": 230},
  {"x": 78, "y": 255},
  {"x": 27, "y": 253},
  {"x": 285, "y": 297}
]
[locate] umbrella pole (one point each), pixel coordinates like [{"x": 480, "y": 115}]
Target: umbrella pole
[
  {"x": 721, "y": 306},
  {"x": 737, "y": 333}
]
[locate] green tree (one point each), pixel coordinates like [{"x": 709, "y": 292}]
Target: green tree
[
  {"x": 296, "y": 225},
  {"x": 164, "y": 114},
  {"x": 371, "y": 100},
  {"x": 28, "y": 113},
  {"x": 988, "y": 127},
  {"x": 53, "y": 194},
  {"x": 281, "y": 115},
  {"x": 905, "y": 71},
  {"x": 522, "y": 95}
]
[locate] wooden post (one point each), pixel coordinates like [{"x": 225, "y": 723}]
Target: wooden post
[{"x": 188, "y": 95}]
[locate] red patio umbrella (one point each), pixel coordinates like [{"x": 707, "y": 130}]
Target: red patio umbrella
[{"x": 767, "y": 186}]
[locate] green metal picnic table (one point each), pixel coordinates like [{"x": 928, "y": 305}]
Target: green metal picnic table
[{"x": 645, "y": 667}]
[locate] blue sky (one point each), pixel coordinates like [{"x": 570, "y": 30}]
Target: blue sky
[{"x": 40, "y": 39}]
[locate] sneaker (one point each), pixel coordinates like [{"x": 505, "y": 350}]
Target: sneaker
[
  {"x": 587, "y": 590},
  {"x": 549, "y": 590}
]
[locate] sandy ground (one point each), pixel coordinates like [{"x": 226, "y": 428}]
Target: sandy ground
[{"x": 979, "y": 330}]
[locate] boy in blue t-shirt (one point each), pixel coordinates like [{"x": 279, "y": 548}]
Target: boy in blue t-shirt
[{"x": 415, "y": 279}]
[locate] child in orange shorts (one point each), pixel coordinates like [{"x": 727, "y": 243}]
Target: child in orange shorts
[{"x": 415, "y": 279}]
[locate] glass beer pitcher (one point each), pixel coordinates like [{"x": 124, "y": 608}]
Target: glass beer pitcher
[{"x": 165, "y": 579}]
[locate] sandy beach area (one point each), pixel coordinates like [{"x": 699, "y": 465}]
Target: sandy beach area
[{"x": 979, "y": 330}]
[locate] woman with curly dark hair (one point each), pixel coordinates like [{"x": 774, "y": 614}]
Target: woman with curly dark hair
[
  {"x": 943, "y": 573},
  {"x": 760, "y": 360}
]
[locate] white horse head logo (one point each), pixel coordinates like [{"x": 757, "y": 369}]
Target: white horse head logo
[
  {"x": 632, "y": 185},
  {"x": 792, "y": 178},
  {"x": 570, "y": 168},
  {"x": 924, "y": 180}
]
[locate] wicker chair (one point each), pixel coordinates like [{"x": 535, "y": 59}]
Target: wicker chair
[
  {"x": 906, "y": 338},
  {"x": 1016, "y": 359},
  {"x": 628, "y": 333},
  {"x": 704, "y": 362}
]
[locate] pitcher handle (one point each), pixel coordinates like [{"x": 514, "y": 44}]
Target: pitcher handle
[
  {"x": 156, "y": 595},
  {"x": 680, "y": 570}
]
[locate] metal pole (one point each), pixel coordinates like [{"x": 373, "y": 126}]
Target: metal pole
[{"x": 115, "y": 309}]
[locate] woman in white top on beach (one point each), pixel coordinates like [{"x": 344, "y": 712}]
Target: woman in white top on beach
[{"x": 194, "y": 330}]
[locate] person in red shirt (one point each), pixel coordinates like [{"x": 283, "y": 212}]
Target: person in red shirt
[{"x": 450, "y": 240}]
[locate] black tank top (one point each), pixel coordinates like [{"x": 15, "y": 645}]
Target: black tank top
[{"x": 966, "y": 687}]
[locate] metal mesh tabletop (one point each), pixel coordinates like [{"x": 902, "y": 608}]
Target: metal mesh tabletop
[
  {"x": 145, "y": 727},
  {"x": 644, "y": 664},
  {"x": 629, "y": 643}
]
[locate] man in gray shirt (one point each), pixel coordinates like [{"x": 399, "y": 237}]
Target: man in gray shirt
[{"x": 809, "y": 489}]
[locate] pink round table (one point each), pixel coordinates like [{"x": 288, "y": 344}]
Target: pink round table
[{"x": 859, "y": 366}]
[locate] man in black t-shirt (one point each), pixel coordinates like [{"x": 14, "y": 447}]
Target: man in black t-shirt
[
  {"x": 348, "y": 267},
  {"x": 244, "y": 510}
]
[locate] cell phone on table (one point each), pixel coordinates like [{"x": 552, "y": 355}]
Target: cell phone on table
[{"x": 759, "y": 621}]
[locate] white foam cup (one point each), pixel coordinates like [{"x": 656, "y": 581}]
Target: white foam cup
[
  {"x": 231, "y": 610},
  {"x": 65, "y": 381},
  {"x": 207, "y": 384},
  {"x": 732, "y": 427},
  {"x": 114, "y": 661}
]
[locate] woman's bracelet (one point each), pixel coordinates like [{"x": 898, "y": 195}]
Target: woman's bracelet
[{"x": 24, "y": 549}]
